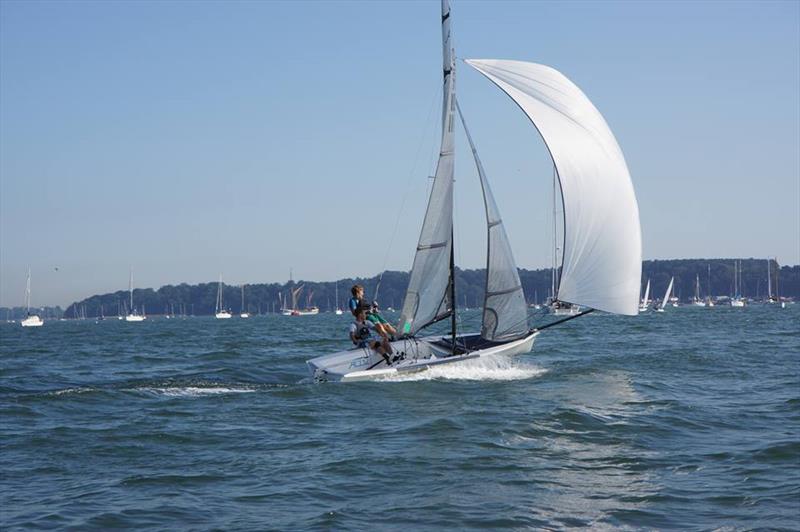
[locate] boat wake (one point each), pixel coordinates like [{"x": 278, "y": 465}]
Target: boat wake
[
  {"x": 497, "y": 368},
  {"x": 193, "y": 391}
]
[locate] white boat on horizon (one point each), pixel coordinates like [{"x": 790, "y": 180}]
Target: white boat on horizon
[
  {"x": 243, "y": 313},
  {"x": 697, "y": 301},
  {"x": 601, "y": 260},
  {"x": 220, "y": 312},
  {"x": 30, "y": 320},
  {"x": 338, "y": 310},
  {"x": 133, "y": 315},
  {"x": 737, "y": 301}
]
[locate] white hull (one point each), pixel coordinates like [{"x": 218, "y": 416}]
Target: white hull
[
  {"x": 737, "y": 302},
  {"x": 308, "y": 312},
  {"x": 361, "y": 364},
  {"x": 338, "y": 312},
  {"x": 699, "y": 303},
  {"x": 32, "y": 321},
  {"x": 134, "y": 317},
  {"x": 644, "y": 308},
  {"x": 244, "y": 315},
  {"x": 223, "y": 315},
  {"x": 564, "y": 310}
]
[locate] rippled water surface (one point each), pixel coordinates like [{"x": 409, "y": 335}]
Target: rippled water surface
[{"x": 684, "y": 420}]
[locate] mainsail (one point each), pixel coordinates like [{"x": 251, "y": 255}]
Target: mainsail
[
  {"x": 666, "y": 296},
  {"x": 505, "y": 316},
  {"x": 428, "y": 299},
  {"x": 602, "y": 255}
]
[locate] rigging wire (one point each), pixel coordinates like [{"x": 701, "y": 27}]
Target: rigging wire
[{"x": 409, "y": 181}]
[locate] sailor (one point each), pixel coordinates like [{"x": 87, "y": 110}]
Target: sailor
[
  {"x": 383, "y": 327},
  {"x": 361, "y": 335}
]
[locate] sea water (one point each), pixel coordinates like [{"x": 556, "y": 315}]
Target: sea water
[{"x": 688, "y": 419}]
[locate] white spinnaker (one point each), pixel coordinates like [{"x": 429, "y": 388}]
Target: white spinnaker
[
  {"x": 505, "y": 314},
  {"x": 427, "y": 297},
  {"x": 666, "y": 296},
  {"x": 602, "y": 256}
]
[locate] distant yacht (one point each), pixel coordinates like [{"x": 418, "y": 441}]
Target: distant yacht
[
  {"x": 737, "y": 300},
  {"x": 770, "y": 297},
  {"x": 666, "y": 296},
  {"x": 338, "y": 310},
  {"x": 696, "y": 301},
  {"x": 244, "y": 313},
  {"x": 133, "y": 315},
  {"x": 220, "y": 311},
  {"x": 645, "y": 303},
  {"x": 709, "y": 299},
  {"x": 556, "y": 307},
  {"x": 309, "y": 310},
  {"x": 31, "y": 320}
]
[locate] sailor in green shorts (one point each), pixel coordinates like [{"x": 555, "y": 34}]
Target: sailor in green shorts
[{"x": 373, "y": 316}]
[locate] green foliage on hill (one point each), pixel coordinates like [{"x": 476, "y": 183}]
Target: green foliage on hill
[{"x": 263, "y": 298}]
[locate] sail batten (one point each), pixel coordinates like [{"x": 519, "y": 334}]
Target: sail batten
[{"x": 601, "y": 255}]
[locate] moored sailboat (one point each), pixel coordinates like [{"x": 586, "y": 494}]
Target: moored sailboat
[
  {"x": 601, "y": 260},
  {"x": 696, "y": 300},
  {"x": 244, "y": 313},
  {"x": 30, "y": 320},
  {"x": 133, "y": 314},
  {"x": 737, "y": 300},
  {"x": 220, "y": 312}
]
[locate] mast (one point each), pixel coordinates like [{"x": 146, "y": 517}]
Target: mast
[
  {"x": 130, "y": 287},
  {"x": 432, "y": 277},
  {"x": 555, "y": 244},
  {"x": 28, "y": 293},
  {"x": 708, "y": 289},
  {"x": 697, "y": 287},
  {"x": 769, "y": 281},
  {"x": 452, "y": 290},
  {"x": 242, "y": 298}
]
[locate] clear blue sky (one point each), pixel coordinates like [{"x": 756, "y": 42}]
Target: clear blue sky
[{"x": 192, "y": 138}]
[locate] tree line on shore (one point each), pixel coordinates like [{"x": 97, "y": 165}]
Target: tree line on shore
[{"x": 200, "y": 299}]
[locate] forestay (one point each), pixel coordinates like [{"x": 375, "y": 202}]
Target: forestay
[
  {"x": 602, "y": 256},
  {"x": 428, "y": 299},
  {"x": 505, "y": 316}
]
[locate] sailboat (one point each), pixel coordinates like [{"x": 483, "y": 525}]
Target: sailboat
[
  {"x": 554, "y": 305},
  {"x": 244, "y": 313},
  {"x": 30, "y": 320},
  {"x": 133, "y": 315},
  {"x": 219, "y": 311},
  {"x": 737, "y": 300},
  {"x": 709, "y": 298},
  {"x": 644, "y": 304},
  {"x": 601, "y": 260},
  {"x": 770, "y": 297},
  {"x": 338, "y": 310},
  {"x": 309, "y": 309},
  {"x": 696, "y": 300},
  {"x": 666, "y": 298}
]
